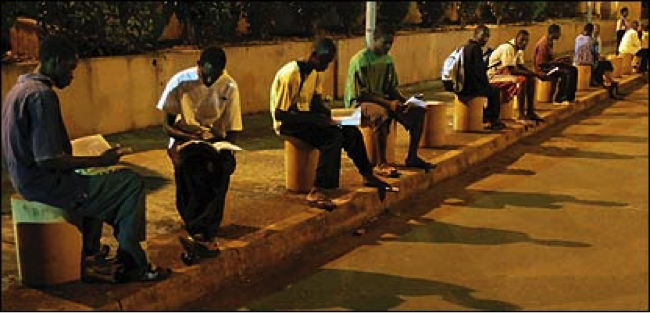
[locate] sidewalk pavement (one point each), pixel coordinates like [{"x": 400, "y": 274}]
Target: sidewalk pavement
[{"x": 263, "y": 224}]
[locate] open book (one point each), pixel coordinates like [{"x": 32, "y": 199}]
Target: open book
[
  {"x": 93, "y": 145},
  {"x": 416, "y": 101},
  {"x": 555, "y": 69},
  {"x": 350, "y": 117},
  {"x": 219, "y": 145}
]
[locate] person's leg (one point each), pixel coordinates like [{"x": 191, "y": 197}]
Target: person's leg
[
  {"x": 328, "y": 141},
  {"x": 376, "y": 117},
  {"x": 226, "y": 163},
  {"x": 118, "y": 199},
  {"x": 643, "y": 54},
  {"x": 356, "y": 150},
  {"x": 491, "y": 113},
  {"x": 411, "y": 117},
  {"x": 572, "y": 81},
  {"x": 619, "y": 37}
]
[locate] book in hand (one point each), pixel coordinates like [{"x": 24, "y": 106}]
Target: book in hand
[
  {"x": 415, "y": 101},
  {"x": 219, "y": 145},
  {"x": 555, "y": 69},
  {"x": 93, "y": 145},
  {"x": 353, "y": 119}
]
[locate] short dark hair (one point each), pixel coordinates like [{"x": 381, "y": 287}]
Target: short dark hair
[
  {"x": 383, "y": 29},
  {"x": 523, "y": 32},
  {"x": 56, "y": 46},
  {"x": 589, "y": 28},
  {"x": 214, "y": 55},
  {"x": 479, "y": 28},
  {"x": 554, "y": 28},
  {"x": 624, "y": 9},
  {"x": 323, "y": 46}
]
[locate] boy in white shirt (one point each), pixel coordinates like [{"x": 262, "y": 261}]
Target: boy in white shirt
[
  {"x": 201, "y": 104},
  {"x": 512, "y": 77}
]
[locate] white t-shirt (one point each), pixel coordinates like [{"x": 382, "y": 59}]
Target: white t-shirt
[
  {"x": 215, "y": 108},
  {"x": 507, "y": 54},
  {"x": 630, "y": 42}
]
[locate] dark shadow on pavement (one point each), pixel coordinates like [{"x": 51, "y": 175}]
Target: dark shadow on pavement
[
  {"x": 607, "y": 138},
  {"x": 488, "y": 199},
  {"x": 364, "y": 291},
  {"x": 152, "y": 179},
  {"x": 516, "y": 171},
  {"x": 577, "y": 153},
  {"x": 439, "y": 232}
]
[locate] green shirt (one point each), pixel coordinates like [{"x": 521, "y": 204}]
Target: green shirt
[{"x": 369, "y": 74}]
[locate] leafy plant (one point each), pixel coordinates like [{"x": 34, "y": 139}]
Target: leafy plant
[
  {"x": 392, "y": 12},
  {"x": 350, "y": 15},
  {"x": 433, "y": 12}
]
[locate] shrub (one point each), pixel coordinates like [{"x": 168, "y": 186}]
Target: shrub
[
  {"x": 350, "y": 14},
  {"x": 207, "y": 22},
  {"x": 433, "y": 12},
  {"x": 392, "y": 12}
]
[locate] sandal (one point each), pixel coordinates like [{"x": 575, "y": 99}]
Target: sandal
[
  {"x": 150, "y": 274},
  {"x": 387, "y": 171},
  {"x": 318, "y": 200}
]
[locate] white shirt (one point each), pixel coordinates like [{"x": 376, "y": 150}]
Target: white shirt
[
  {"x": 507, "y": 54},
  {"x": 630, "y": 42},
  {"x": 201, "y": 108}
]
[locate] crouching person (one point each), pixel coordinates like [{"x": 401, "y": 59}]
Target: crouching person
[{"x": 201, "y": 106}]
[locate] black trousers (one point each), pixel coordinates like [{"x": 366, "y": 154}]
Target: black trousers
[
  {"x": 329, "y": 140},
  {"x": 643, "y": 54},
  {"x": 599, "y": 70},
  {"x": 619, "y": 38},
  {"x": 202, "y": 177},
  {"x": 493, "y": 108},
  {"x": 565, "y": 79}
]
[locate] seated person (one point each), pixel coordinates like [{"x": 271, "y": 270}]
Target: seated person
[
  {"x": 298, "y": 111},
  {"x": 630, "y": 43},
  {"x": 201, "y": 103},
  {"x": 601, "y": 74},
  {"x": 372, "y": 85},
  {"x": 565, "y": 77},
  {"x": 37, "y": 153},
  {"x": 506, "y": 61},
  {"x": 643, "y": 52},
  {"x": 476, "y": 79}
]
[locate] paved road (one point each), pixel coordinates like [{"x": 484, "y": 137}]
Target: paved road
[{"x": 556, "y": 222}]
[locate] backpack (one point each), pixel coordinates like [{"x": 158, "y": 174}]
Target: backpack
[{"x": 453, "y": 71}]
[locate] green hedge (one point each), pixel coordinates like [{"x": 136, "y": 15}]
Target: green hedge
[{"x": 118, "y": 28}]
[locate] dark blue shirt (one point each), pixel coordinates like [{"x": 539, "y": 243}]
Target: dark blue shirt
[{"x": 33, "y": 130}]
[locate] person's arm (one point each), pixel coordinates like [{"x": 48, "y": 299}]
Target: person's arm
[
  {"x": 283, "y": 92},
  {"x": 67, "y": 162},
  {"x": 48, "y": 137},
  {"x": 357, "y": 87},
  {"x": 177, "y": 133}
]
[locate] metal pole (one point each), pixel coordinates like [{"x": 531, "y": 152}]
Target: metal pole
[
  {"x": 589, "y": 8},
  {"x": 371, "y": 13}
]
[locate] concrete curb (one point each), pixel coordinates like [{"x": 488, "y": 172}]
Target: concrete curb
[
  {"x": 268, "y": 247},
  {"x": 276, "y": 242}
]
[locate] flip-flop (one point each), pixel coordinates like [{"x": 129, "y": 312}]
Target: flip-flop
[
  {"x": 323, "y": 204},
  {"x": 387, "y": 171}
]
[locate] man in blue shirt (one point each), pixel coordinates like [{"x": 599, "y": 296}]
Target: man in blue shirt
[{"x": 37, "y": 153}]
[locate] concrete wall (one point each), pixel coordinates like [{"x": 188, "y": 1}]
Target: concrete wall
[{"x": 115, "y": 94}]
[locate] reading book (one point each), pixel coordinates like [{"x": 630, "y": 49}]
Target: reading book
[
  {"x": 93, "y": 145},
  {"x": 219, "y": 145}
]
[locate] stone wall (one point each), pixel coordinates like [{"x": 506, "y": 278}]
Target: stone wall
[{"x": 116, "y": 94}]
